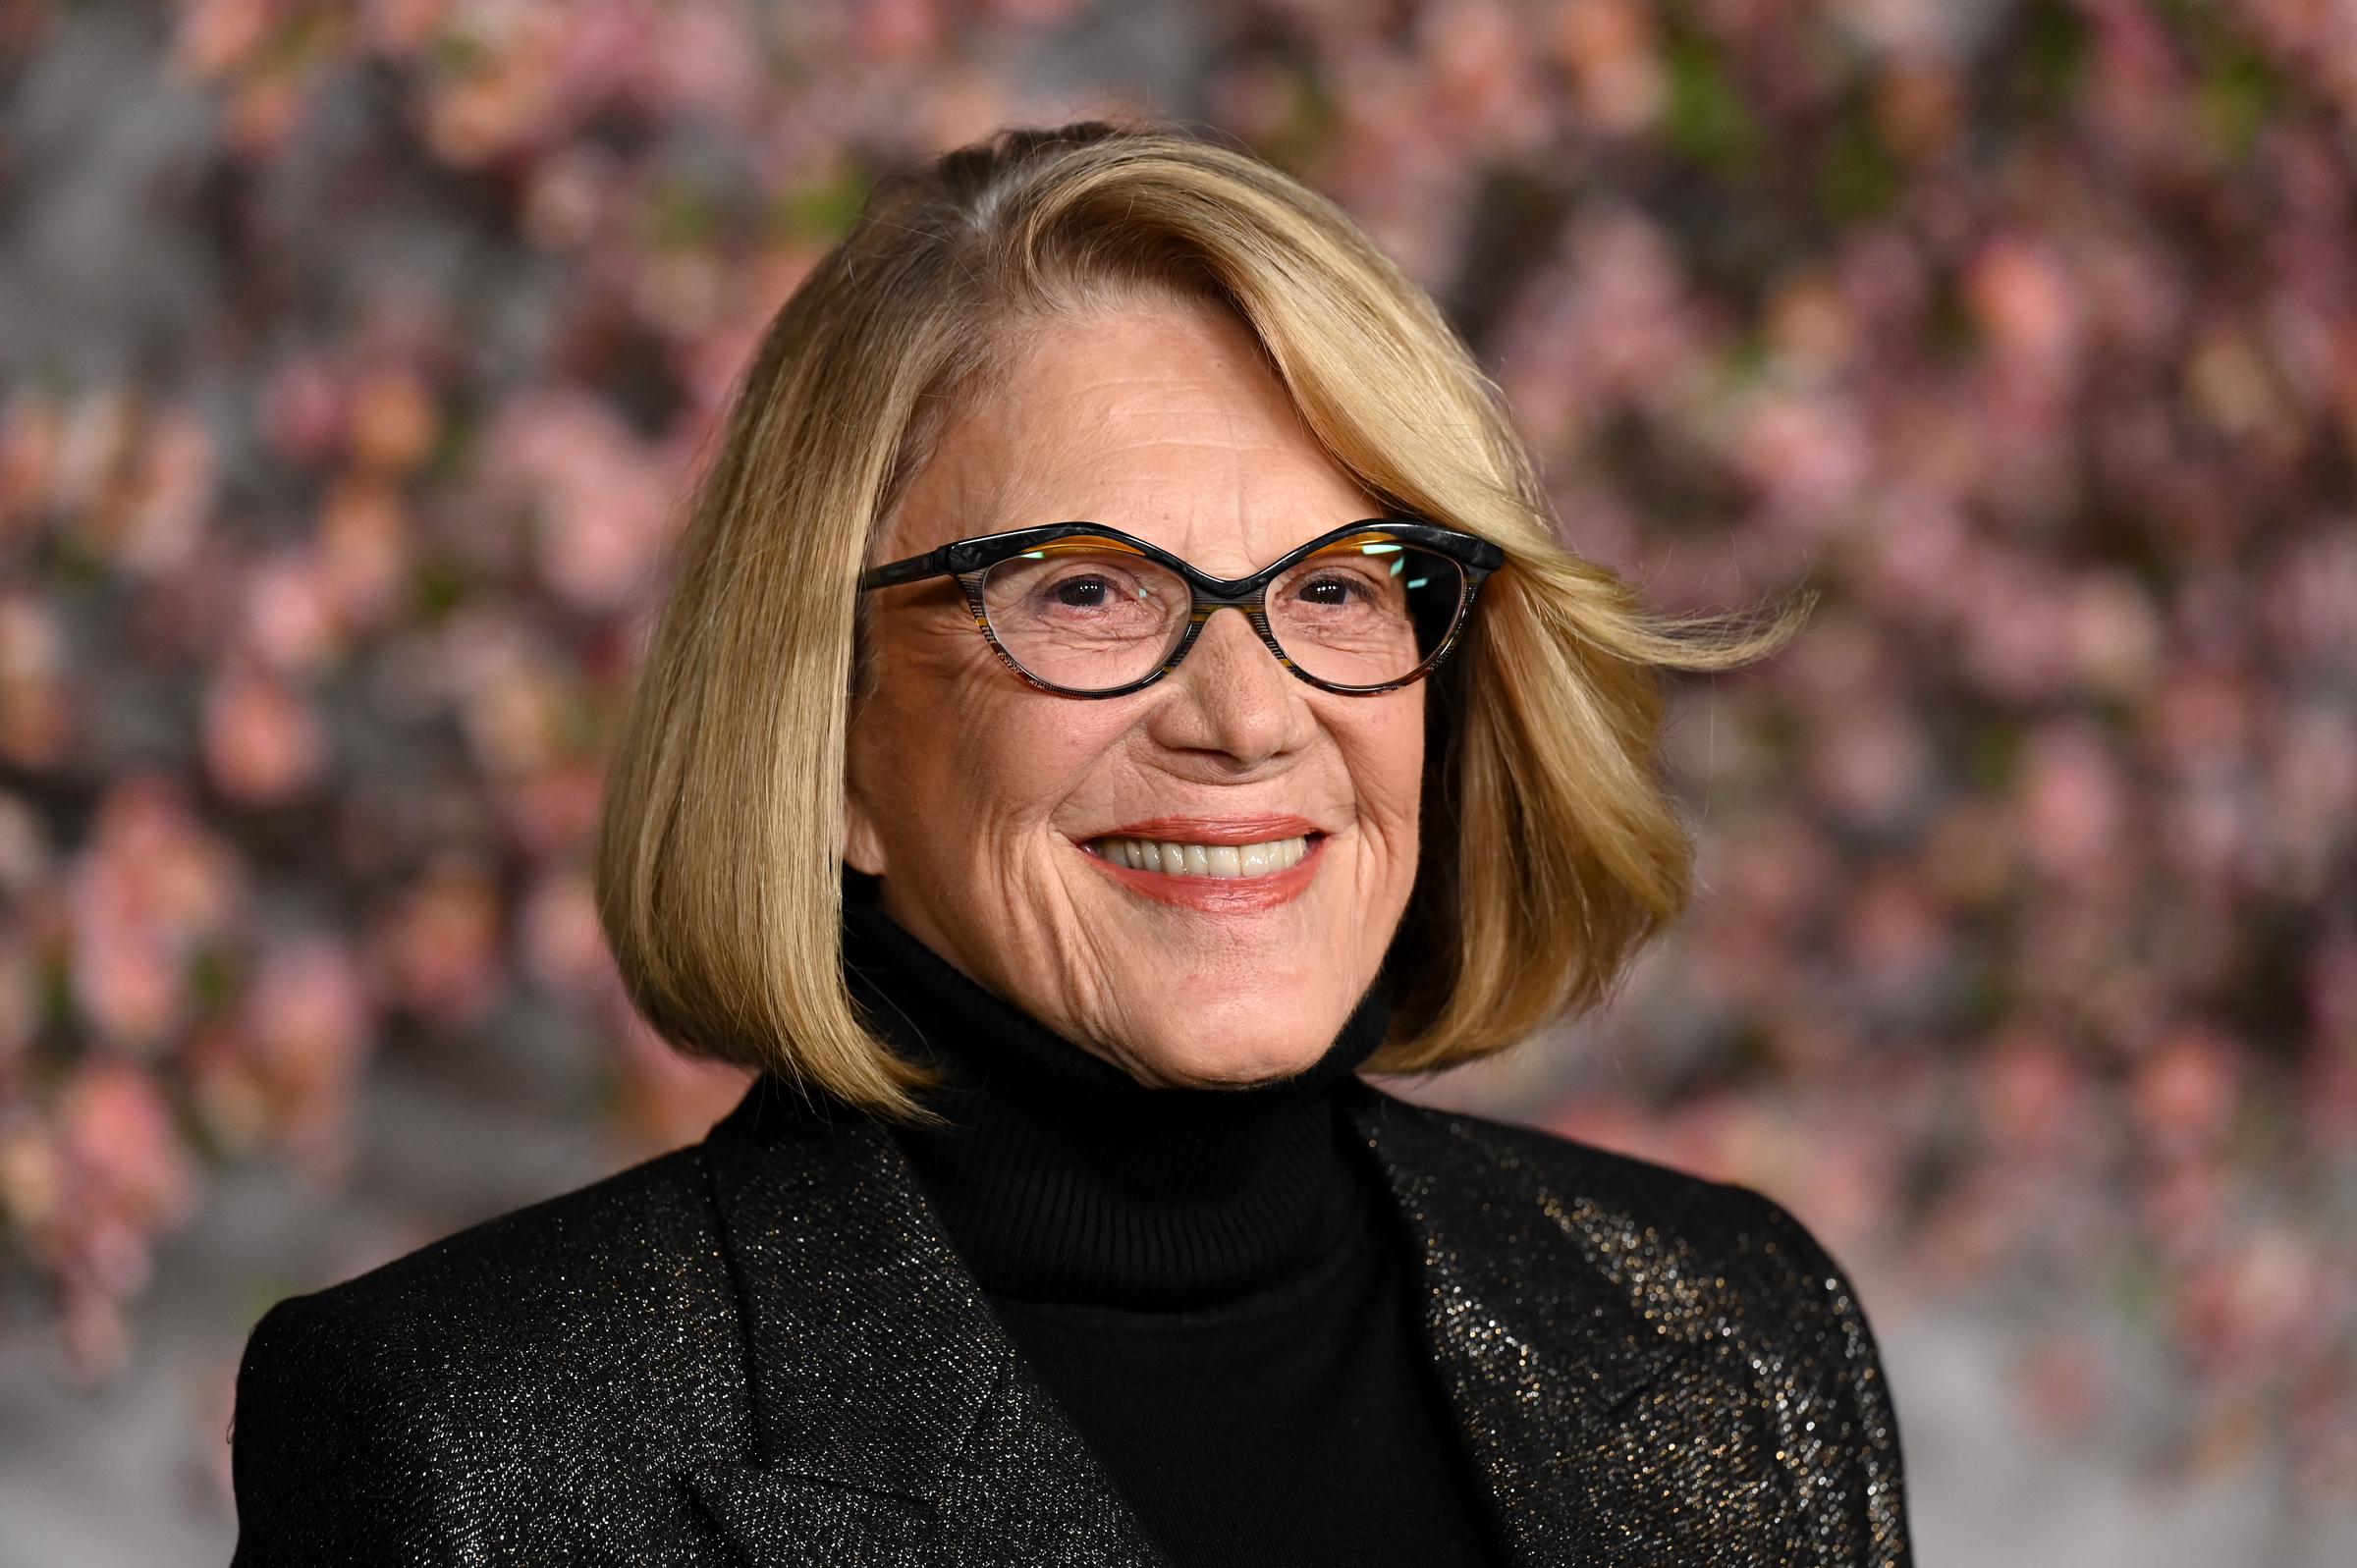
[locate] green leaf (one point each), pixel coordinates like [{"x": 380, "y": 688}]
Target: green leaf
[
  {"x": 1856, "y": 176},
  {"x": 2236, "y": 97},
  {"x": 1706, "y": 118},
  {"x": 820, "y": 210}
]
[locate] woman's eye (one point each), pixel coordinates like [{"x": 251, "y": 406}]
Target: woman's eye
[
  {"x": 1333, "y": 589},
  {"x": 1083, "y": 593}
]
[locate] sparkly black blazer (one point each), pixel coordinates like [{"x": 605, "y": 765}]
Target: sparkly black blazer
[{"x": 761, "y": 1350}]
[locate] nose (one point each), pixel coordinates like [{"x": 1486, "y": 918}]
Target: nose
[{"x": 1233, "y": 696}]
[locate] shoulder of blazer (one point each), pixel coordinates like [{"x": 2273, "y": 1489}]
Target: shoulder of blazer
[
  {"x": 1669, "y": 1274},
  {"x": 574, "y": 1276},
  {"x": 566, "y": 1351},
  {"x": 1723, "y": 1224},
  {"x": 1719, "y": 1221}
]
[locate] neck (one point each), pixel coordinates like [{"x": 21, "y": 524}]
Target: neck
[{"x": 1060, "y": 1177}]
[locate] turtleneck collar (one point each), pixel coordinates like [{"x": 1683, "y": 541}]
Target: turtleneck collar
[{"x": 1061, "y": 1178}]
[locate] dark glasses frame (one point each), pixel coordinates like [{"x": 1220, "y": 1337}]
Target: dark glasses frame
[{"x": 966, "y": 559}]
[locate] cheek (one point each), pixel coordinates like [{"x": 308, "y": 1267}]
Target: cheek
[
  {"x": 1032, "y": 753},
  {"x": 977, "y": 769},
  {"x": 1384, "y": 742}
]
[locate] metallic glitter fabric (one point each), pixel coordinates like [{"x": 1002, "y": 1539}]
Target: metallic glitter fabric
[{"x": 761, "y": 1350}]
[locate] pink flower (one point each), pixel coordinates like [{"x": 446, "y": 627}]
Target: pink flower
[
  {"x": 263, "y": 741},
  {"x": 36, "y": 723},
  {"x": 2034, "y": 1096},
  {"x": 2072, "y": 804},
  {"x": 290, "y": 1069},
  {"x": 552, "y": 810},
  {"x": 1609, "y": 48},
  {"x": 600, "y": 498},
  {"x": 362, "y": 552},
  {"x": 290, "y": 621},
  {"x": 303, "y": 410},
  {"x": 1809, "y": 458},
  {"x": 2188, "y": 1090},
  {"x": 393, "y": 421},
  {"x": 116, "y": 1134},
  {"x": 213, "y": 37},
  {"x": 168, "y": 496},
  {"x": 144, "y": 894},
  {"x": 437, "y": 949},
  {"x": 896, "y": 30},
  {"x": 560, "y": 940},
  {"x": 2115, "y": 634},
  {"x": 2258, "y": 1304},
  {"x": 2062, "y": 1378},
  {"x": 402, "y": 27}
]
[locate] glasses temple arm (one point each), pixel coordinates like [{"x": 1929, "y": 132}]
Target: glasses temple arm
[{"x": 931, "y": 563}]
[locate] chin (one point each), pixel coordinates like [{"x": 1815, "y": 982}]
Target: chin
[{"x": 1198, "y": 1063}]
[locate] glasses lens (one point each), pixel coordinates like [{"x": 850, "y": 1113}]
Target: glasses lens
[
  {"x": 1085, "y": 614},
  {"x": 1367, "y": 610}
]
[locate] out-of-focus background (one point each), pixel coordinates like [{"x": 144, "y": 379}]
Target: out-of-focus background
[{"x": 354, "y": 358}]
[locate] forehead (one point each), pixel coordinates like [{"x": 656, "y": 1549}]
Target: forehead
[{"x": 1163, "y": 419}]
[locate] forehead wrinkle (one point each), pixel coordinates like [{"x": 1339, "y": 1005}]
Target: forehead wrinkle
[
  {"x": 1041, "y": 454},
  {"x": 1224, "y": 542},
  {"x": 1173, "y": 504}
]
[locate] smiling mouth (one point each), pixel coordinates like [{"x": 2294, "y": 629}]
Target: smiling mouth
[{"x": 1226, "y": 862}]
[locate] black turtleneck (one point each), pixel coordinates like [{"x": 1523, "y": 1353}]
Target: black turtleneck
[{"x": 1211, "y": 1281}]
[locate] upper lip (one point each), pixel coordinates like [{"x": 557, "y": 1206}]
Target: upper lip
[{"x": 1215, "y": 830}]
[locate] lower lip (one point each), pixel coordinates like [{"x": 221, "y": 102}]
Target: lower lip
[{"x": 1217, "y": 895}]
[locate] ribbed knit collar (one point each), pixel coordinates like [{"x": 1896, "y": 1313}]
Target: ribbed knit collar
[{"x": 1063, "y": 1179}]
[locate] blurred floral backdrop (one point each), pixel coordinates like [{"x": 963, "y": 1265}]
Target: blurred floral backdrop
[{"x": 2024, "y": 329}]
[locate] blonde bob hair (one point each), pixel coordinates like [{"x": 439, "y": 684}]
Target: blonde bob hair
[{"x": 1550, "y": 853}]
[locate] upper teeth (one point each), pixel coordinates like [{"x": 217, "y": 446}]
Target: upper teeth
[{"x": 1205, "y": 861}]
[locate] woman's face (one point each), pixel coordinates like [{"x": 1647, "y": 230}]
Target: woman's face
[{"x": 979, "y": 799}]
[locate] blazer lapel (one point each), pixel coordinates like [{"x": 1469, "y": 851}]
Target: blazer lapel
[
  {"x": 893, "y": 1417},
  {"x": 895, "y": 1422},
  {"x": 1602, "y": 1431}
]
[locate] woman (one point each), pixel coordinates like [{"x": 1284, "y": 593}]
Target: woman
[{"x": 1058, "y": 912}]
